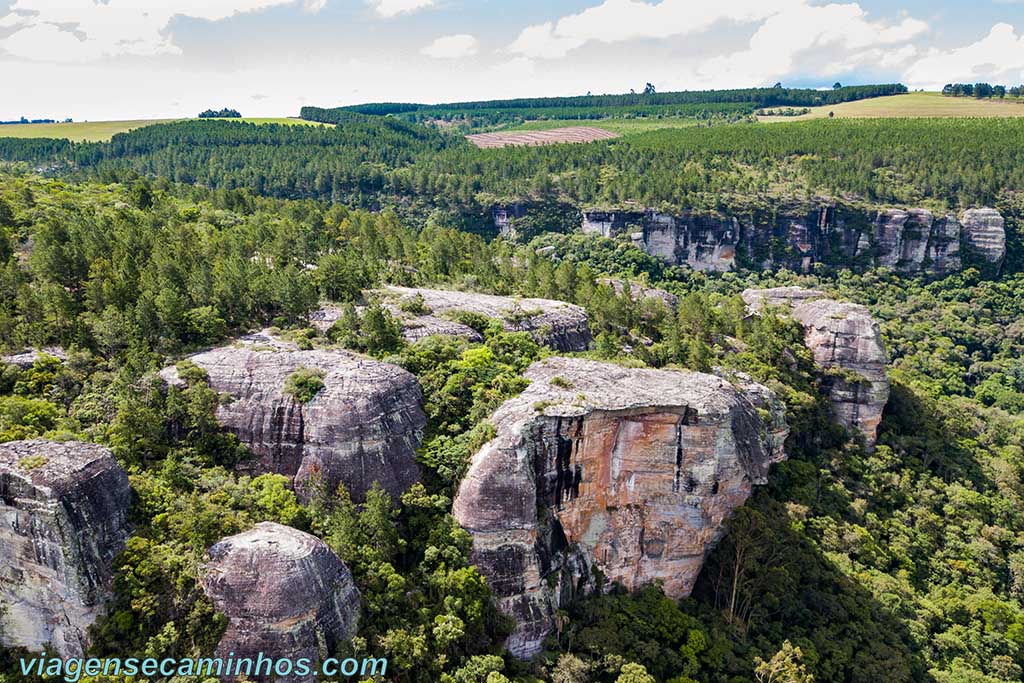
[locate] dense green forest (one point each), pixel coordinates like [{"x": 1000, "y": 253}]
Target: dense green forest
[
  {"x": 372, "y": 162},
  {"x": 697, "y": 103},
  {"x": 905, "y": 564}
]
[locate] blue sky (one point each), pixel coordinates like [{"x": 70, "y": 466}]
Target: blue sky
[{"x": 110, "y": 59}]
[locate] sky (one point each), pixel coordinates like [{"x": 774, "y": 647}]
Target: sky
[{"x": 116, "y": 59}]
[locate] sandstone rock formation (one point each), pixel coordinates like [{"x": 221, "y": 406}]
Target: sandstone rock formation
[
  {"x": 63, "y": 518},
  {"x": 363, "y": 426},
  {"x": 557, "y": 324},
  {"x": 628, "y": 471},
  {"x": 985, "y": 233},
  {"x": 28, "y": 357},
  {"x": 285, "y": 593},
  {"x": 846, "y": 342},
  {"x": 798, "y": 237}
]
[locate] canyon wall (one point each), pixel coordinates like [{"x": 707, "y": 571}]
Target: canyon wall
[
  {"x": 911, "y": 241},
  {"x": 599, "y": 467}
]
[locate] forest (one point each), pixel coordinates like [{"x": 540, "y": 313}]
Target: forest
[
  {"x": 699, "y": 103},
  {"x": 905, "y": 564}
]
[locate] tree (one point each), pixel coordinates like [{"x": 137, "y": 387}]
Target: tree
[
  {"x": 837, "y": 85},
  {"x": 649, "y": 89},
  {"x": 999, "y": 91},
  {"x": 784, "y": 667},
  {"x": 634, "y": 673}
]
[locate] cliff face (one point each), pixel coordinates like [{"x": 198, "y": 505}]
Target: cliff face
[
  {"x": 557, "y": 324},
  {"x": 285, "y": 595},
  {"x": 363, "y": 426},
  {"x": 63, "y": 518},
  {"x": 843, "y": 337},
  {"x": 910, "y": 241},
  {"x": 596, "y": 466}
]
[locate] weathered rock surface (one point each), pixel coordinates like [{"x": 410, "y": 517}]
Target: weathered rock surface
[
  {"x": 28, "y": 357},
  {"x": 985, "y": 233},
  {"x": 846, "y": 342},
  {"x": 596, "y": 466},
  {"x": 363, "y": 426},
  {"x": 63, "y": 518},
  {"x": 285, "y": 593},
  {"x": 910, "y": 241},
  {"x": 557, "y": 324}
]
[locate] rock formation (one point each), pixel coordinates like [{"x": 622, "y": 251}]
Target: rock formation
[
  {"x": 639, "y": 292},
  {"x": 985, "y": 235},
  {"x": 846, "y": 342},
  {"x": 28, "y": 357},
  {"x": 285, "y": 593},
  {"x": 910, "y": 241},
  {"x": 63, "y": 518},
  {"x": 557, "y": 324},
  {"x": 363, "y": 426},
  {"x": 598, "y": 467}
]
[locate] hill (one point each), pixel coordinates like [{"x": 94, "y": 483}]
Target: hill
[
  {"x": 913, "y": 105},
  {"x": 102, "y": 131}
]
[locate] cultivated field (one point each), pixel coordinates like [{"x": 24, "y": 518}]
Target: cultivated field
[
  {"x": 621, "y": 126},
  {"x": 101, "y": 131},
  {"x": 913, "y": 105},
  {"x": 534, "y": 138}
]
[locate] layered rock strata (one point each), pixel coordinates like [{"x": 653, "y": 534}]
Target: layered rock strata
[
  {"x": 910, "y": 241},
  {"x": 631, "y": 472},
  {"x": 557, "y": 324},
  {"x": 363, "y": 426},
  {"x": 285, "y": 593},
  {"x": 63, "y": 518},
  {"x": 846, "y": 343}
]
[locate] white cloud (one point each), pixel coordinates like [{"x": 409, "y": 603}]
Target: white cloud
[
  {"x": 392, "y": 8},
  {"x": 843, "y": 32},
  {"x": 86, "y": 30},
  {"x": 619, "y": 20},
  {"x": 452, "y": 47},
  {"x": 997, "y": 58}
]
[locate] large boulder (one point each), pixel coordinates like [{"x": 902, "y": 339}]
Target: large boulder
[
  {"x": 557, "y": 324},
  {"x": 846, "y": 344},
  {"x": 63, "y": 518},
  {"x": 363, "y": 426},
  {"x": 27, "y": 358},
  {"x": 285, "y": 593},
  {"x": 599, "y": 467}
]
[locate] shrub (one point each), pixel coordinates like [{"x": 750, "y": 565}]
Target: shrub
[{"x": 304, "y": 384}]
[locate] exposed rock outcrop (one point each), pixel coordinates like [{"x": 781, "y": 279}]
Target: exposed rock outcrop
[
  {"x": 910, "y": 241},
  {"x": 846, "y": 342},
  {"x": 63, "y": 518},
  {"x": 28, "y": 357},
  {"x": 598, "y": 467},
  {"x": 557, "y": 324},
  {"x": 285, "y": 593},
  {"x": 363, "y": 426},
  {"x": 985, "y": 235}
]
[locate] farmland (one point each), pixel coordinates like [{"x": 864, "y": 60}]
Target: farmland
[
  {"x": 536, "y": 138},
  {"x": 101, "y": 131},
  {"x": 913, "y": 105}
]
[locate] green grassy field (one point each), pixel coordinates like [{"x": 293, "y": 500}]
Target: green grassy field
[
  {"x": 99, "y": 131},
  {"x": 913, "y": 105}
]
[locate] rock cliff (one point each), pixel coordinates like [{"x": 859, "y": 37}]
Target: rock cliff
[
  {"x": 910, "y": 241},
  {"x": 557, "y": 324},
  {"x": 846, "y": 342},
  {"x": 285, "y": 594},
  {"x": 363, "y": 426},
  {"x": 63, "y": 518},
  {"x": 598, "y": 467}
]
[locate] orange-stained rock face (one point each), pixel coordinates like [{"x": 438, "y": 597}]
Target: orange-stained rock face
[{"x": 630, "y": 472}]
